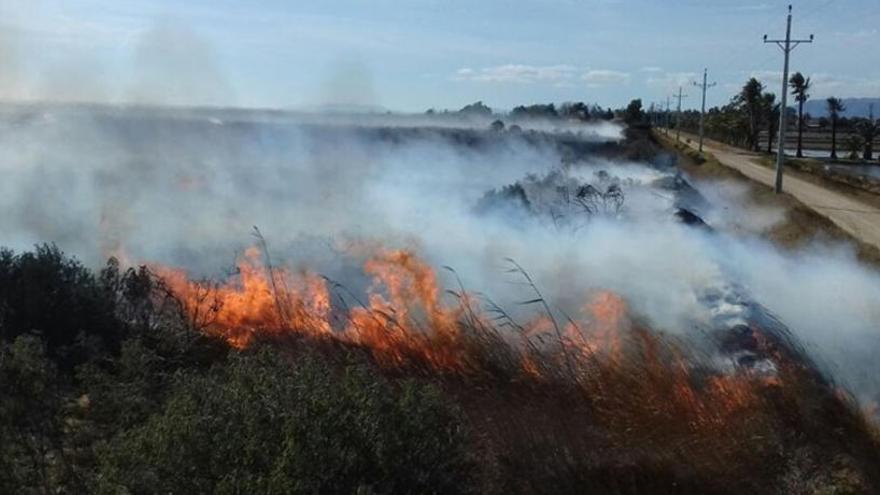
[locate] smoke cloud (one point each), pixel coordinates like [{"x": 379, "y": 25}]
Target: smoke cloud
[
  {"x": 173, "y": 65},
  {"x": 185, "y": 188},
  {"x": 161, "y": 62}
]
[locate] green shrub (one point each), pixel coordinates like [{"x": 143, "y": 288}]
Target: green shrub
[
  {"x": 29, "y": 428},
  {"x": 44, "y": 291},
  {"x": 262, "y": 425}
]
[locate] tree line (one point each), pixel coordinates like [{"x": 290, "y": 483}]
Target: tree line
[
  {"x": 574, "y": 111},
  {"x": 754, "y": 109}
]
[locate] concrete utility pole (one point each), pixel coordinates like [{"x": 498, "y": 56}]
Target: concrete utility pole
[
  {"x": 678, "y": 115},
  {"x": 787, "y": 45},
  {"x": 668, "y": 121},
  {"x": 704, "y": 87}
]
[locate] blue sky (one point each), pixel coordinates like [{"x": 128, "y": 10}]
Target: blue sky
[{"x": 411, "y": 55}]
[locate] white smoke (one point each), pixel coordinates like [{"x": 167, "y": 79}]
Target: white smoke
[{"x": 185, "y": 188}]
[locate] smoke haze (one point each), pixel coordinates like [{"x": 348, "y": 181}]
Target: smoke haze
[{"x": 186, "y": 188}]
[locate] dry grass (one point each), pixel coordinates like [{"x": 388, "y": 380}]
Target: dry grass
[{"x": 635, "y": 412}]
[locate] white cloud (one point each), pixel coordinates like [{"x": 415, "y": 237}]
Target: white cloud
[
  {"x": 671, "y": 80},
  {"x": 770, "y": 78},
  {"x": 559, "y": 76},
  {"x": 517, "y": 73},
  {"x": 824, "y": 84},
  {"x": 651, "y": 68},
  {"x": 867, "y": 33},
  {"x": 602, "y": 77}
]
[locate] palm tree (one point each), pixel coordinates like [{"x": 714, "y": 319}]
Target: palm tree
[
  {"x": 772, "y": 114},
  {"x": 750, "y": 99},
  {"x": 800, "y": 86},
  {"x": 835, "y": 108}
]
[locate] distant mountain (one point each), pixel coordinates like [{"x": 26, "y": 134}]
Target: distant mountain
[{"x": 855, "y": 107}]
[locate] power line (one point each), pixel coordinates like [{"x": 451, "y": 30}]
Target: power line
[
  {"x": 787, "y": 45},
  {"x": 734, "y": 58}
]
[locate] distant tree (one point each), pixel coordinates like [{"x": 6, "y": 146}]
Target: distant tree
[
  {"x": 633, "y": 113},
  {"x": 868, "y": 130},
  {"x": 800, "y": 87},
  {"x": 430, "y": 111},
  {"x": 772, "y": 115},
  {"x": 854, "y": 145},
  {"x": 575, "y": 111},
  {"x": 497, "y": 126},
  {"x": 751, "y": 102},
  {"x": 835, "y": 107},
  {"x": 476, "y": 109},
  {"x": 547, "y": 111}
]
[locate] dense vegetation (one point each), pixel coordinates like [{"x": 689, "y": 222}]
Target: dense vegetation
[{"x": 107, "y": 388}]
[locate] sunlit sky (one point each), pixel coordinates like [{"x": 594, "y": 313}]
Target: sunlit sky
[{"x": 415, "y": 54}]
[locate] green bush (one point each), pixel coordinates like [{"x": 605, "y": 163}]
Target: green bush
[
  {"x": 29, "y": 427},
  {"x": 262, "y": 425},
  {"x": 44, "y": 291}
]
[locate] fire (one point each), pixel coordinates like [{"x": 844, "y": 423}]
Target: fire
[
  {"x": 257, "y": 301},
  {"x": 609, "y": 321},
  {"x": 404, "y": 317},
  {"x": 636, "y": 376},
  {"x": 599, "y": 332},
  {"x": 405, "y": 321}
]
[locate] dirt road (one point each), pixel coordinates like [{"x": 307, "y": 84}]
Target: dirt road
[{"x": 855, "y": 217}]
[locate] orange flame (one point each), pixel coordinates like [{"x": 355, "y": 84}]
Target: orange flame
[
  {"x": 403, "y": 319},
  {"x": 255, "y": 302},
  {"x": 620, "y": 366},
  {"x": 404, "y": 293}
]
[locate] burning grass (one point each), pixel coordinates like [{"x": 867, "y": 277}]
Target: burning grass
[
  {"x": 320, "y": 391},
  {"x": 650, "y": 397}
]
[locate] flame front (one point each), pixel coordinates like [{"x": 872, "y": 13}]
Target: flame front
[
  {"x": 404, "y": 321},
  {"x": 260, "y": 301}
]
